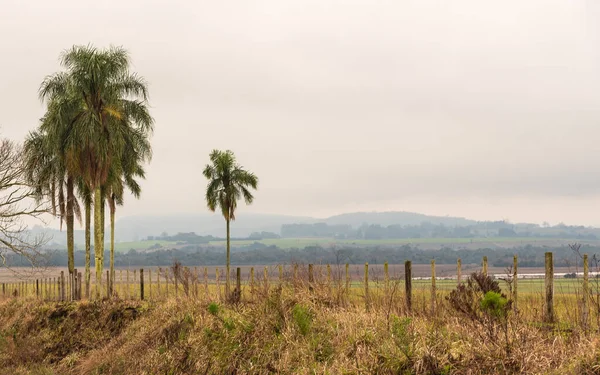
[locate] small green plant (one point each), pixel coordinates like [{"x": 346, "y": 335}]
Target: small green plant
[
  {"x": 188, "y": 319},
  {"x": 303, "y": 318},
  {"x": 213, "y": 308},
  {"x": 228, "y": 324},
  {"x": 494, "y": 304},
  {"x": 403, "y": 336}
]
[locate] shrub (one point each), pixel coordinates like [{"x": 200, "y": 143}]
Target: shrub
[
  {"x": 481, "y": 300},
  {"x": 494, "y": 304}
]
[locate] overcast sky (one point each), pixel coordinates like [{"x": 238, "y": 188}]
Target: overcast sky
[{"x": 483, "y": 109}]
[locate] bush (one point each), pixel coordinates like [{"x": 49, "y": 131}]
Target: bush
[{"x": 494, "y": 304}]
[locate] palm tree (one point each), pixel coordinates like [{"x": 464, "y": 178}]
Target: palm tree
[
  {"x": 227, "y": 183},
  {"x": 86, "y": 197},
  {"x": 123, "y": 175},
  {"x": 102, "y": 102},
  {"x": 45, "y": 169}
]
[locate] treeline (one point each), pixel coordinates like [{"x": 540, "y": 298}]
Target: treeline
[
  {"x": 429, "y": 230},
  {"x": 188, "y": 238},
  {"x": 192, "y": 238},
  {"x": 529, "y": 256}
]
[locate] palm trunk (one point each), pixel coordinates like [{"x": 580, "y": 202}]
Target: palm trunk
[
  {"x": 103, "y": 220},
  {"x": 70, "y": 216},
  {"x": 112, "y": 246},
  {"x": 227, "y": 284},
  {"x": 88, "y": 222},
  {"x": 98, "y": 240}
]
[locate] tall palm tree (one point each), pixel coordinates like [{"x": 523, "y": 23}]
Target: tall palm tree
[
  {"x": 86, "y": 197},
  {"x": 123, "y": 175},
  {"x": 227, "y": 183},
  {"x": 102, "y": 102}
]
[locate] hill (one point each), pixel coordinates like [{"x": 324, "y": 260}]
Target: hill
[{"x": 356, "y": 219}]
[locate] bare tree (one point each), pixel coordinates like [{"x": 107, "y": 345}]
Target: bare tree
[{"x": 18, "y": 205}]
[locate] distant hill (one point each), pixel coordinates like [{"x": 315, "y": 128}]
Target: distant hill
[
  {"x": 133, "y": 228},
  {"x": 356, "y": 219}
]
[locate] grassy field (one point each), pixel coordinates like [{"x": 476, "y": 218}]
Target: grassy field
[{"x": 287, "y": 243}]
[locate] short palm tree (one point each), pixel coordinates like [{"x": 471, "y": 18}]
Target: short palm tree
[
  {"x": 46, "y": 171},
  {"x": 227, "y": 183}
]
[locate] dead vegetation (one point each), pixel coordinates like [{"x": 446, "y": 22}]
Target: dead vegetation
[{"x": 289, "y": 330}]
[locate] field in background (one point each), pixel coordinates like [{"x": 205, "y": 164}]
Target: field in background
[{"x": 424, "y": 243}]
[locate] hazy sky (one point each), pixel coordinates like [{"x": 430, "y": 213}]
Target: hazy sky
[{"x": 476, "y": 108}]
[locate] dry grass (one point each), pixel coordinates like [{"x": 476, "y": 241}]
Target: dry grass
[{"x": 287, "y": 330}]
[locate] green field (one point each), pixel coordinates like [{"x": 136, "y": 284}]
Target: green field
[
  {"x": 287, "y": 243},
  {"x": 529, "y": 286}
]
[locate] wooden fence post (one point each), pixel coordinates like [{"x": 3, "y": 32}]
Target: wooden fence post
[
  {"x": 136, "y": 290},
  {"x": 238, "y": 281},
  {"x": 549, "y": 284},
  {"x": 185, "y": 280},
  {"x": 217, "y": 281},
  {"x": 175, "y": 278},
  {"x": 328, "y": 276},
  {"x": 515, "y": 282},
  {"x": 485, "y": 266},
  {"x": 150, "y": 283},
  {"x": 141, "y": 284},
  {"x": 586, "y": 291},
  {"x": 196, "y": 281},
  {"x": 127, "y": 281},
  {"x": 63, "y": 292},
  {"x": 433, "y": 291},
  {"x": 458, "y": 271},
  {"x": 367, "y": 300},
  {"x": 4, "y": 289},
  {"x": 347, "y": 279},
  {"x": 108, "y": 288},
  {"x": 251, "y": 282},
  {"x": 167, "y": 282},
  {"x": 37, "y": 289},
  {"x": 386, "y": 278},
  {"x": 311, "y": 277},
  {"x": 158, "y": 291},
  {"x": 266, "y": 277},
  {"x": 280, "y": 274},
  {"x": 206, "y": 282},
  {"x": 79, "y": 284},
  {"x": 408, "y": 284},
  {"x": 295, "y": 274}
]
